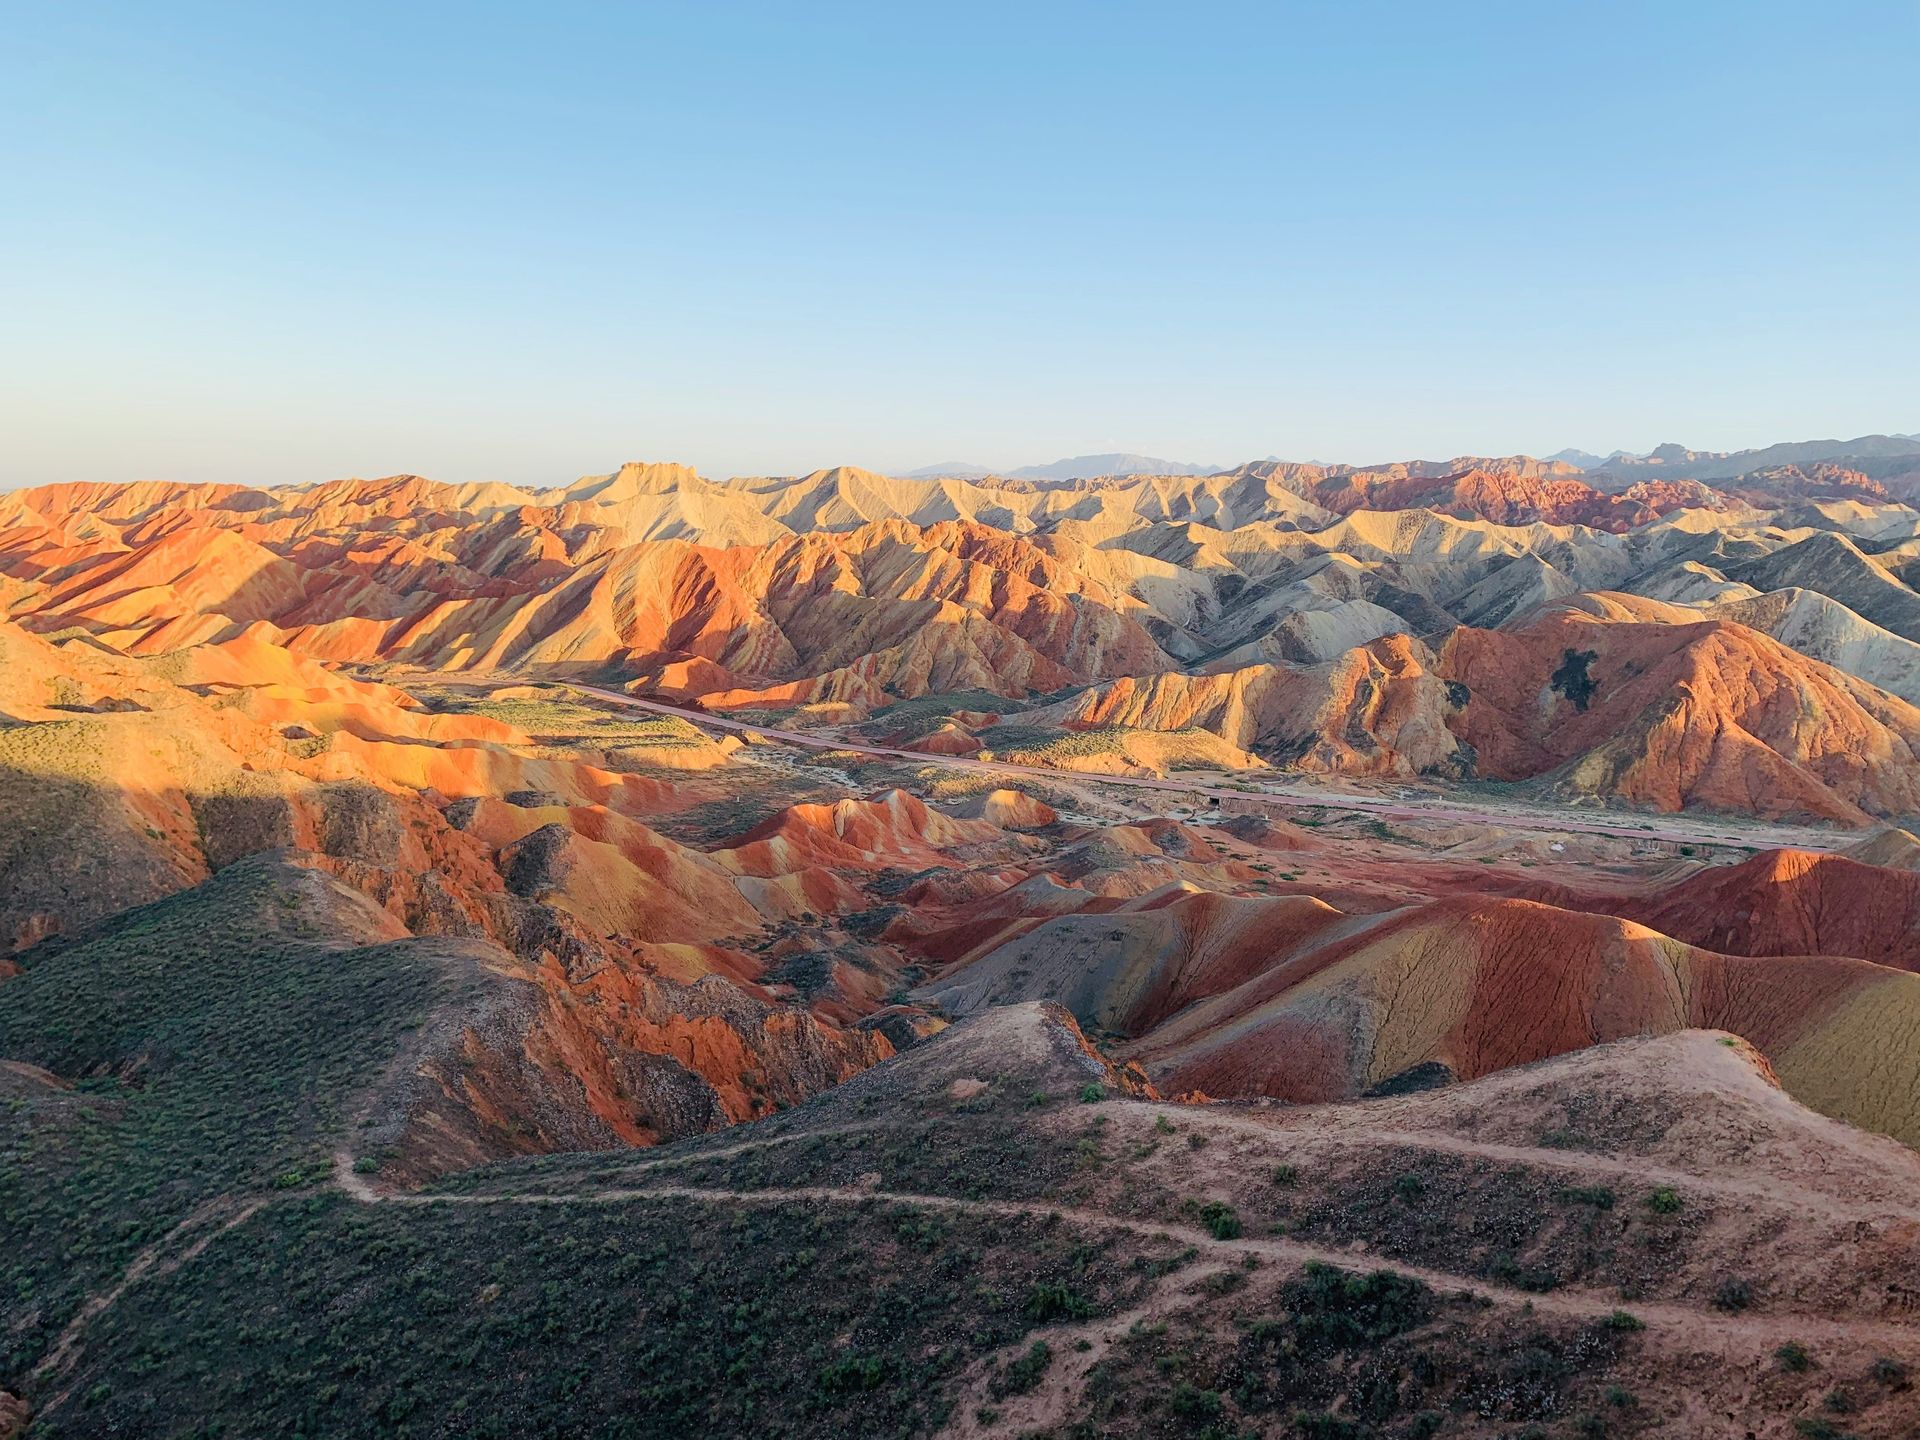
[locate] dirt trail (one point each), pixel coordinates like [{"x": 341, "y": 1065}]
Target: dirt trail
[
  {"x": 362, "y": 1188},
  {"x": 156, "y": 1260},
  {"x": 1053, "y": 1400},
  {"x": 1774, "y": 1193},
  {"x": 1703, "y": 1328},
  {"x": 1672, "y": 828},
  {"x": 1643, "y": 1172}
]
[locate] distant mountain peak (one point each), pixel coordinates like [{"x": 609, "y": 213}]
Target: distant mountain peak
[
  {"x": 949, "y": 470},
  {"x": 1088, "y": 467}
]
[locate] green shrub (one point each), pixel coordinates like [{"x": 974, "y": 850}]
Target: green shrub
[
  {"x": 1732, "y": 1295},
  {"x": 1507, "y": 1268},
  {"x": 1048, "y": 1302},
  {"x": 1023, "y": 1374},
  {"x": 1333, "y": 1310},
  {"x": 1324, "y": 1425},
  {"x": 1221, "y": 1220},
  {"x": 851, "y": 1374},
  {"x": 1190, "y": 1402}
]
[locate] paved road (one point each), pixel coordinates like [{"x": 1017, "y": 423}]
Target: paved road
[{"x": 1682, "y": 829}]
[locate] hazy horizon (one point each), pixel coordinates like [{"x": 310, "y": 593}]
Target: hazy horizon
[
  {"x": 559, "y": 479},
  {"x": 269, "y": 247}
]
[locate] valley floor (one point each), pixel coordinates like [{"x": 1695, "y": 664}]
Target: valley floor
[{"x": 1289, "y": 792}]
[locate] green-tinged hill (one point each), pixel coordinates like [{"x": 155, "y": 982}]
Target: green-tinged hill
[
  {"x": 997, "y": 1232},
  {"x": 190, "y": 1059}
]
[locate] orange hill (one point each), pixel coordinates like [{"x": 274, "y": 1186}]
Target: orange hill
[{"x": 1290, "y": 998}]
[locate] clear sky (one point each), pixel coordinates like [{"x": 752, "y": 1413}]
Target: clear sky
[{"x": 278, "y": 243}]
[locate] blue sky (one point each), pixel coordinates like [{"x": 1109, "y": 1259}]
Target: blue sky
[{"x": 276, "y": 243}]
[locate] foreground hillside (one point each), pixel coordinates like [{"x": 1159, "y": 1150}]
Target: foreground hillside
[{"x": 997, "y": 1233}]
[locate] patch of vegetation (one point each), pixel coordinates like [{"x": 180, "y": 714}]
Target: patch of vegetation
[
  {"x": 1325, "y": 1425},
  {"x": 1571, "y": 678},
  {"x": 927, "y": 712},
  {"x": 807, "y": 971},
  {"x": 1732, "y": 1295},
  {"x": 849, "y": 1374},
  {"x": 560, "y": 716},
  {"x": 1509, "y": 1270},
  {"x": 1598, "y": 1196},
  {"x": 1074, "y": 745},
  {"x": 1009, "y": 736},
  {"x": 1428, "y": 1075},
  {"x": 1024, "y": 1373},
  {"x": 1048, "y": 1302},
  {"x": 1190, "y": 1402},
  {"x": 1335, "y": 1310},
  {"x": 1222, "y": 1220},
  {"x": 1030, "y": 745}
]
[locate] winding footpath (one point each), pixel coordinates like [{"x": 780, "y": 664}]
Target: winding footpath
[{"x": 1737, "y": 1333}]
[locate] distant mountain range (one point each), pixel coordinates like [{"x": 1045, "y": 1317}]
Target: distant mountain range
[
  {"x": 1077, "y": 467},
  {"x": 948, "y": 470},
  {"x": 1582, "y": 459},
  {"x": 1668, "y": 462},
  {"x": 1677, "y": 462}
]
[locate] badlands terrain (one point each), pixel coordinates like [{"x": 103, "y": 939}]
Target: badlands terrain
[{"x": 1429, "y": 949}]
